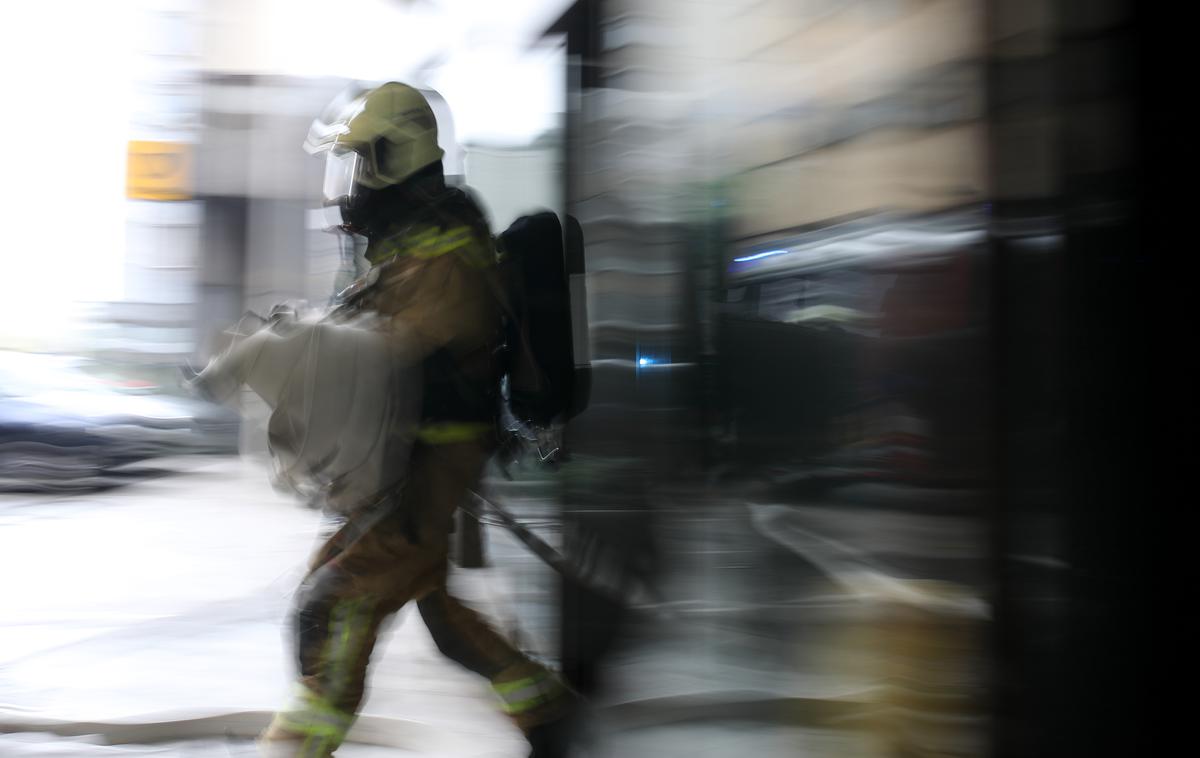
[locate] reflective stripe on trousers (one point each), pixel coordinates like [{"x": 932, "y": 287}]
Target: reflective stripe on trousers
[
  {"x": 312, "y": 718},
  {"x": 528, "y": 693}
]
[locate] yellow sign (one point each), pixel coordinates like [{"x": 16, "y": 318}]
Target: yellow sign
[{"x": 158, "y": 171}]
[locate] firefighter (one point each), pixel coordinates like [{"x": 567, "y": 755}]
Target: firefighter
[{"x": 432, "y": 280}]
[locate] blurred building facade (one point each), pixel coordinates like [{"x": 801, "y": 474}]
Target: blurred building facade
[{"x": 841, "y": 247}]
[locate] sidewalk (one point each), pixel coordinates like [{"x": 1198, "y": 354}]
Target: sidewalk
[
  {"x": 165, "y": 602},
  {"x": 154, "y": 617}
]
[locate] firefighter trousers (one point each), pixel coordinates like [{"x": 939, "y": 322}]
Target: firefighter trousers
[{"x": 366, "y": 571}]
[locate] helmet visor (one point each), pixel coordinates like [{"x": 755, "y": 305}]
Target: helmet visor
[
  {"x": 334, "y": 121},
  {"x": 342, "y": 167}
]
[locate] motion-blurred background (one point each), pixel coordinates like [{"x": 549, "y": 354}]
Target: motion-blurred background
[{"x": 864, "y": 466}]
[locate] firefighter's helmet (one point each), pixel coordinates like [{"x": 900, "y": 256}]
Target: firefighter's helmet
[{"x": 373, "y": 139}]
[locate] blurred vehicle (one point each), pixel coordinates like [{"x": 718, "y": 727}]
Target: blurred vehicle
[{"x": 61, "y": 428}]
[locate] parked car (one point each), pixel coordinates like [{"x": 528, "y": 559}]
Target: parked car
[{"x": 60, "y": 427}]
